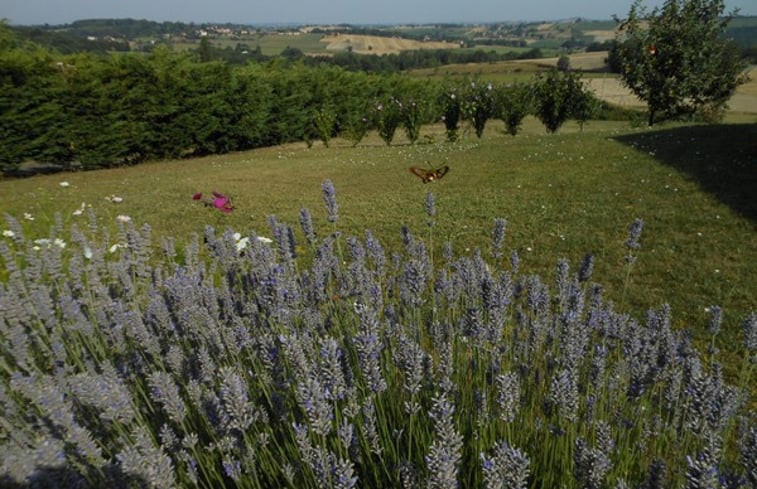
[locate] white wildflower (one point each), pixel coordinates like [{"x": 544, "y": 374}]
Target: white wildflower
[
  {"x": 64, "y": 184},
  {"x": 8, "y": 233},
  {"x": 59, "y": 243},
  {"x": 28, "y": 216},
  {"x": 242, "y": 243},
  {"x": 265, "y": 240},
  {"x": 87, "y": 252},
  {"x": 123, "y": 218},
  {"x": 80, "y": 210}
]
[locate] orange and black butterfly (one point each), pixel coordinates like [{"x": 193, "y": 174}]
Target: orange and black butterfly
[{"x": 429, "y": 175}]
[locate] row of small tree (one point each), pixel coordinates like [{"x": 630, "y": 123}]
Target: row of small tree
[{"x": 90, "y": 111}]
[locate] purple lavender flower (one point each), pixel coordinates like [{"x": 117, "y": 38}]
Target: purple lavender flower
[
  {"x": 430, "y": 206},
  {"x": 587, "y": 267},
  {"x": 143, "y": 459},
  {"x": 564, "y": 394},
  {"x": 375, "y": 253},
  {"x": 656, "y": 474},
  {"x": 166, "y": 392},
  {"x": 702, "y": 471},
  {"x": 749, "y": 326},
  {"x": 232, "y": 468},
  {"x": 236, "y": 401},
  {"x": 369, "y": 428},
  {"x": 445, "y": 453},
  {"x": 506, "y": 469},
  {"x": 369, "y": 346},
  {"x": 514, "y": 262},
  {"x": 634, "y": 235},
  {"x": 508, "y": 398},
  {"x": 344, "y": 475},
  {"x": 748, "y": 453},
  {"x": 716, "y": 320},
  {"x": 306, "y": 221},
  {"x": 331, "y": 369},
  {"x": 590, "y": 465},
  {"x": 498, "y": 237},
  {"x": 329, "y": 198}
]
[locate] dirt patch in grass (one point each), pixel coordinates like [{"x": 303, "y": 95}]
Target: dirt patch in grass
[{"x": 380, "y": 45}]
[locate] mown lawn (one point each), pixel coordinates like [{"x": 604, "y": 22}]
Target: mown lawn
[{"x": 563, "y": 195}]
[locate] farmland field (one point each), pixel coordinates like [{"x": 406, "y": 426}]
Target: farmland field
[{"x": 379, "y": 44}]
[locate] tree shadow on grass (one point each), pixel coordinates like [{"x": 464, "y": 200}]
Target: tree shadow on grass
[
  {"x": 66, "y": 477},
  {"x": 722, "y": 159}
]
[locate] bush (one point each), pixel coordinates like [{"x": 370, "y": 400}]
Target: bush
[
  {"x": 559, "y": 96},
  {"x": 412, "y": 117},
  {"x": 449, "y": 102},
  {"x": 512, "y": 104},
  {"x": 478, "y": 105},
  {"x": 388, "y": 116}
]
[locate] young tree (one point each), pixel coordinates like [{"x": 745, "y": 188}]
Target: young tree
[
  {"x": 478, "y": 105},
  {"x": 449, "y": 100},
  {"x": 513, "y": 103},
  {"x": 559, "y": 96},
  {"x": 676, "y": 59}
]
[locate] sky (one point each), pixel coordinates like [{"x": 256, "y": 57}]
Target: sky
[{"x": 32, "y": 12}]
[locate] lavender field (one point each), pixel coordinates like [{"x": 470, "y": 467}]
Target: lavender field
[{"x": 239, "y": 362}]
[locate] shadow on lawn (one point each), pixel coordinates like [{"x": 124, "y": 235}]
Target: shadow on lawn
[
  {"x": 60, "y": 477},
  {"x": 721, "y": 158}
]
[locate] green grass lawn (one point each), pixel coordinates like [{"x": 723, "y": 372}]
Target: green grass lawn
[{"x": 563, "y": 195}]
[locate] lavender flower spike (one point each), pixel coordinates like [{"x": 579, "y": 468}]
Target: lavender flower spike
[
  {"x": 329, "y": 197},
  {"x": 498, "y": 236},
  {"x": 634, "y": 234},
  {"x": 430, "y": 205}
]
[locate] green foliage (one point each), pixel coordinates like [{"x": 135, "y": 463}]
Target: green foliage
[
  {"x": 356, "y": 129},
  {"x": 559, "y": 96},
  {"x": 585, "y": 106},
  {"x": 478, "y": 104},
  {"x": 449, "y": 100},
  {"x": 513, "y": 103},
  {"x": 87, "y": 111},
  {"x": 676, "y": 58},
  {"x": 563, "y": 63},
  {"x": 325, "y": 120},
  {"x": 388, "y": 116},
  {"x": 412, "y": 117}
]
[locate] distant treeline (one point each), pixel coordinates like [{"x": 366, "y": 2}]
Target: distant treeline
[
  {"x": 420, "y": 58},
  {"x": 108, "y": 35}
]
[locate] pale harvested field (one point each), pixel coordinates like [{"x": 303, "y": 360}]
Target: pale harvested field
[
  {"x": 611, "y": 90},
  {"x": 380, "y": 45},
  {"x": 580, "y": 61},
  {"x": 601, "y": 36}
]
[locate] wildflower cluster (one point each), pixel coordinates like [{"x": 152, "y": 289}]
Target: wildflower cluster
[{"x": 243, "y": 365}]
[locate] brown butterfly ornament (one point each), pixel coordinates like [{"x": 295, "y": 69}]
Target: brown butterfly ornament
[{"x": 429, "y": 175}]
